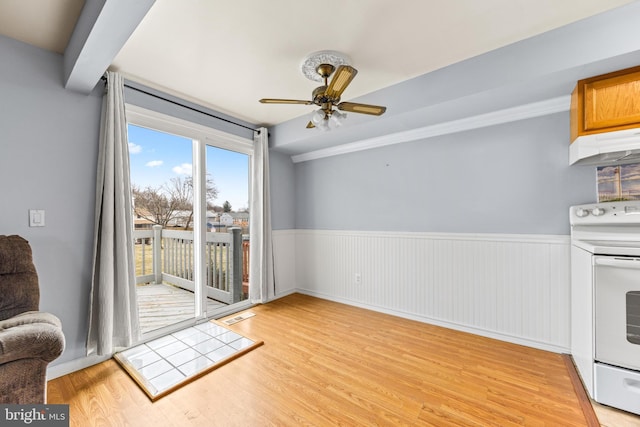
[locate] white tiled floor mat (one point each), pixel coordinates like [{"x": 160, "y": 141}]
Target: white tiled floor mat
[{"x": 164, "y": 364}]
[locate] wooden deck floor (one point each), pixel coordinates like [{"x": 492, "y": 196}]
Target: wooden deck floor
[{"x": 161, "y": 305}]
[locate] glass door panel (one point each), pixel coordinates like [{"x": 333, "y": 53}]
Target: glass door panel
[
  {"x": 162, "y": 188},
  {"x": 227, "y": 222}
]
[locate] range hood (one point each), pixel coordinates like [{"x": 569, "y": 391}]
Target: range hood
[{"x": 602, "y": 149}]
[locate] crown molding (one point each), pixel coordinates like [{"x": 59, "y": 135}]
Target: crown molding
[{"x": 507, "y": 115}]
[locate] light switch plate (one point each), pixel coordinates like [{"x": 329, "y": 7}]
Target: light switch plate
[{"x": 36, "y": 218}]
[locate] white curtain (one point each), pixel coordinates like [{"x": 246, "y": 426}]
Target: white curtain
[
  {"x": 113, "y": 310},
  {"x": 261, "y": 278}
]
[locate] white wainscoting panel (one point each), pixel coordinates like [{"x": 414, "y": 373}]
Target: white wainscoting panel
[
  {"x": 511, "y": 287},
  {"x": 284, "y": 255}
]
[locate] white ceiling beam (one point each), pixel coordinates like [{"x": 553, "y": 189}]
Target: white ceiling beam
[{"x": 104, "y": 26}]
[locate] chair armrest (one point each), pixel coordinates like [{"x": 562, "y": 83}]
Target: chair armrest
[{"x": 31, "y": 335}]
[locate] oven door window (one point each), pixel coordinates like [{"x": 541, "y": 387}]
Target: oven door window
[{"x": 633, "y": 317}]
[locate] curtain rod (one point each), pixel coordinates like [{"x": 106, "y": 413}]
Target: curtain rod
[{"x": 186, "y": 106}]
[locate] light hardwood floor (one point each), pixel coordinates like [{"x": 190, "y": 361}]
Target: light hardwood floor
[{"x": 327, "y": 364}]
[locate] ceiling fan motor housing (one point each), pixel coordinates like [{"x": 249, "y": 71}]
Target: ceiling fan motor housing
[{"x": 320, "y": 98}]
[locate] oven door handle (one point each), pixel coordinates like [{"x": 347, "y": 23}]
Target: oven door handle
[{"x": 632, "y": 263}]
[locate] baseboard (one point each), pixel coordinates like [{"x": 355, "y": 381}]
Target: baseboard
[
  {"x": 282, "y": 294},
  {"x": 65, "y": 368},
  {"x": 445, "y": 324}
]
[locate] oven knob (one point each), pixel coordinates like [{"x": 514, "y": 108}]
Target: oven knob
[
  {"x": 581, "y": 213},
  {"x": 597, "y": 211}
]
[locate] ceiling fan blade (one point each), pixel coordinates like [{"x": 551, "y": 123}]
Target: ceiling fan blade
[
  {"x": 284, "y": 101},
  {"x": 310, "y": 125},
  {"x": 341, "y": 79},
  {"x": 374, "y": 110}
]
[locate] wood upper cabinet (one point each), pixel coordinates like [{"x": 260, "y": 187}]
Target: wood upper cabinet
[{"x": 606, "y": 103}]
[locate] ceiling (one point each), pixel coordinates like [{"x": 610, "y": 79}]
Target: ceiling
[
  {"x": 44, "y": 23},
  {"x": 228, "y": 54}
]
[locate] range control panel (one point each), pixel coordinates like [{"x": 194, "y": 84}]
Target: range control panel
[{"x": 627, "y": 212}]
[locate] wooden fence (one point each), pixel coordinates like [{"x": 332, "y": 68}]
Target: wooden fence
[
  {"x": 245, "y": 261},
  {"x": 172, "y": 261}
]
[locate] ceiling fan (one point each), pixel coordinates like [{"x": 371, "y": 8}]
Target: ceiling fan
[{"x": 319, "y": 66}]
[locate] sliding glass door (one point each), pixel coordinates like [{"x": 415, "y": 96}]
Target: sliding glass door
[{"x": 191, "y": 217}]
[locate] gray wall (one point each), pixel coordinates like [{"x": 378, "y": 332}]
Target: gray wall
[
  {"x": 282, "y": 180},
  {"x": 48, "y": 152},
  {"x": 510, "y": 178}
]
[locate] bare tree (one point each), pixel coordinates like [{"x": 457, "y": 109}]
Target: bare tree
[
  {"x": 171, "y": 201},
  {"x": 153, "y": 205},
  {"x": 181, "y": 190}
]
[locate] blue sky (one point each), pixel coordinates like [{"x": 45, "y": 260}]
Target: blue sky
[{"x": 157, "y": 157}]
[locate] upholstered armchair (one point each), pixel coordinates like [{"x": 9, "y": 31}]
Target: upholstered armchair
[{"x": 29, "y": 339}]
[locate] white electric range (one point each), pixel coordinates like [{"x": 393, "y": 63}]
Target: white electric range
[{"x": 605, "y": 301}]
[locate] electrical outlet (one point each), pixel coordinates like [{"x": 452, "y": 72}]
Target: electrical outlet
[{"x": 357, "y": 279}]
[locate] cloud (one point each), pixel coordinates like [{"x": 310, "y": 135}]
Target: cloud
[
  {"x": 134, "y": 148},
  {"x": 183, "y": 169},
  {"x": 154, "y": 163},
  {"x": 630, "y": 171}
]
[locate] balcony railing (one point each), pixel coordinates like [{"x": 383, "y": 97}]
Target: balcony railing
[{"x": 167, "y": 256}]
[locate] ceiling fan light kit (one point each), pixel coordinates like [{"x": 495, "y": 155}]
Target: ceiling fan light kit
[
  {"x": 319, "y": 66},
  {"x": 324, "y": 121},
  {"x": 317, "y": 117},
  {"x": 337, "y": 118}
]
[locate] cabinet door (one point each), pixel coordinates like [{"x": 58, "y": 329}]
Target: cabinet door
[{"x": 612, "y": 102}]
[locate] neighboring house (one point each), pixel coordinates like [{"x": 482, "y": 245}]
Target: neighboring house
[
  {"x": 240, "y": 218},
  {"x": 223, "y": 220},
  {"x": 140, "y": 219},
  {"x": 140, "y": 223},
  {"x": 181, "y": 219}
]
